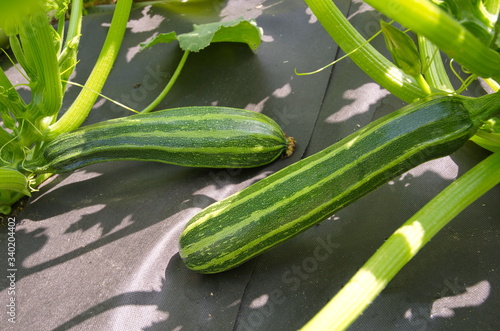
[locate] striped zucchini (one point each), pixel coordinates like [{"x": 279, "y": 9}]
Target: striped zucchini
[
  {"x": 215, "y": 137},
  {"x": 284, "y": 204}
]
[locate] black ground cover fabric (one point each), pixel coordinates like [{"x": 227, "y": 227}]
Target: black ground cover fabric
[{"x": 97, "y": 249}]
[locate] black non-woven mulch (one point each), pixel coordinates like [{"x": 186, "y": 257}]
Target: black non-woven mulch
[{"x": 97, "y": 249}]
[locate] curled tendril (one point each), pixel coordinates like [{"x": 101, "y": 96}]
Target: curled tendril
[{"x": 465, "y": 82}]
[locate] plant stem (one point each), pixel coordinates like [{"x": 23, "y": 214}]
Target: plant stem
[
  {"x": 37, "y": 39},
  {"x": 401, "y": 246},
  {"x": 9, "y": 96},
  {"x": 374, "y": 64},
  {"x": 4, "y": 81},
  {"x": 13, "y": 180},
  {"x": 434, "y": 71},
  {"x": 61, "y": 27},
  {"x": 493, "y": 6},
  {"x": 425, "y": 18},
  {"x": 482, "y": 108},
  {"x": 7, "y": 199},
  {"x": 167, "y": 88},
  {"x": 422, "y": 82},
  {"x": 75, "y": 21},
  {"x": 38, "y": 56},
  {"x": 5, "y": 137},
  {"x": 83, "y": 104},
  {"x": 495, "y": 86},
  {"x": 17, "y": 50},
  {"x": 8, "y": 146},
  {"x": 68, "y": 57}
]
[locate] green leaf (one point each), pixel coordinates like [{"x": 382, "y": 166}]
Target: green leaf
[
  {"x": 239, "y": 30},
  {"x": 161, "y": 38},
  {"x": 403, "y": 49}
]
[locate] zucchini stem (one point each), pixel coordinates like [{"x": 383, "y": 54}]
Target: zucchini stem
[
  {"x": 482, "y": 108},
  {"x": 83, "y": 104},
  {"x": 404, "y": 244},
  {"x": 366, "y": 57},
  {"x": 171, "y": 82},
  {"x": 75, "y": 21},
  {"x": 68, "y": 56},
  {"x": 433, "y": 67},
  {"x": 495, "y": 86},
  {"x": 422, "y": 82}
]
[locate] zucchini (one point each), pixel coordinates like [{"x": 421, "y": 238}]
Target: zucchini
[
  {"x": 214, "y": 137},
  {"x": 282, "y": 205}
]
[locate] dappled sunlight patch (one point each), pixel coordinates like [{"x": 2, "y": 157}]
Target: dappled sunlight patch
[
  {"x": 312, "y": 18},
  {"x": 280, "y": 93},
  {"x": 223, "y": 183},
  {"x": 357, "y": 285},
  {"x": 249, "y": 9},
  {"x": 63, "y": 235},
  {"x": 76, "y": 177},
  {"x": 141, "y": 280},
  {"x": 76, "y": 216},
  {"x": 363, "y": 97},
  {"x": 259, "y": 106},
  {"x": 363, "y": 7},
  {"x": 444, "y": 167},
  {"x": 267, "y": 38},
  {"x": 283, "y": 92},
  {"x": 414, "y": 235},
  {"x": 397, "y": 76},
  {"x": 474, "y": 296},
  {"x": 146, "y": 23},
  {"x": 144, "y": 316},
  {"x": 259, "y": 302}
]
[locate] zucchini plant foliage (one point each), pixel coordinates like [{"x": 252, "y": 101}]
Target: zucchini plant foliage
[{"x": 47, "y": 54}]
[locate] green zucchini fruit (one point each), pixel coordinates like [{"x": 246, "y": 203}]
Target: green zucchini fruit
[
  {"x": 214, "y": 137},
  {"x": 282, "y": 205}
]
